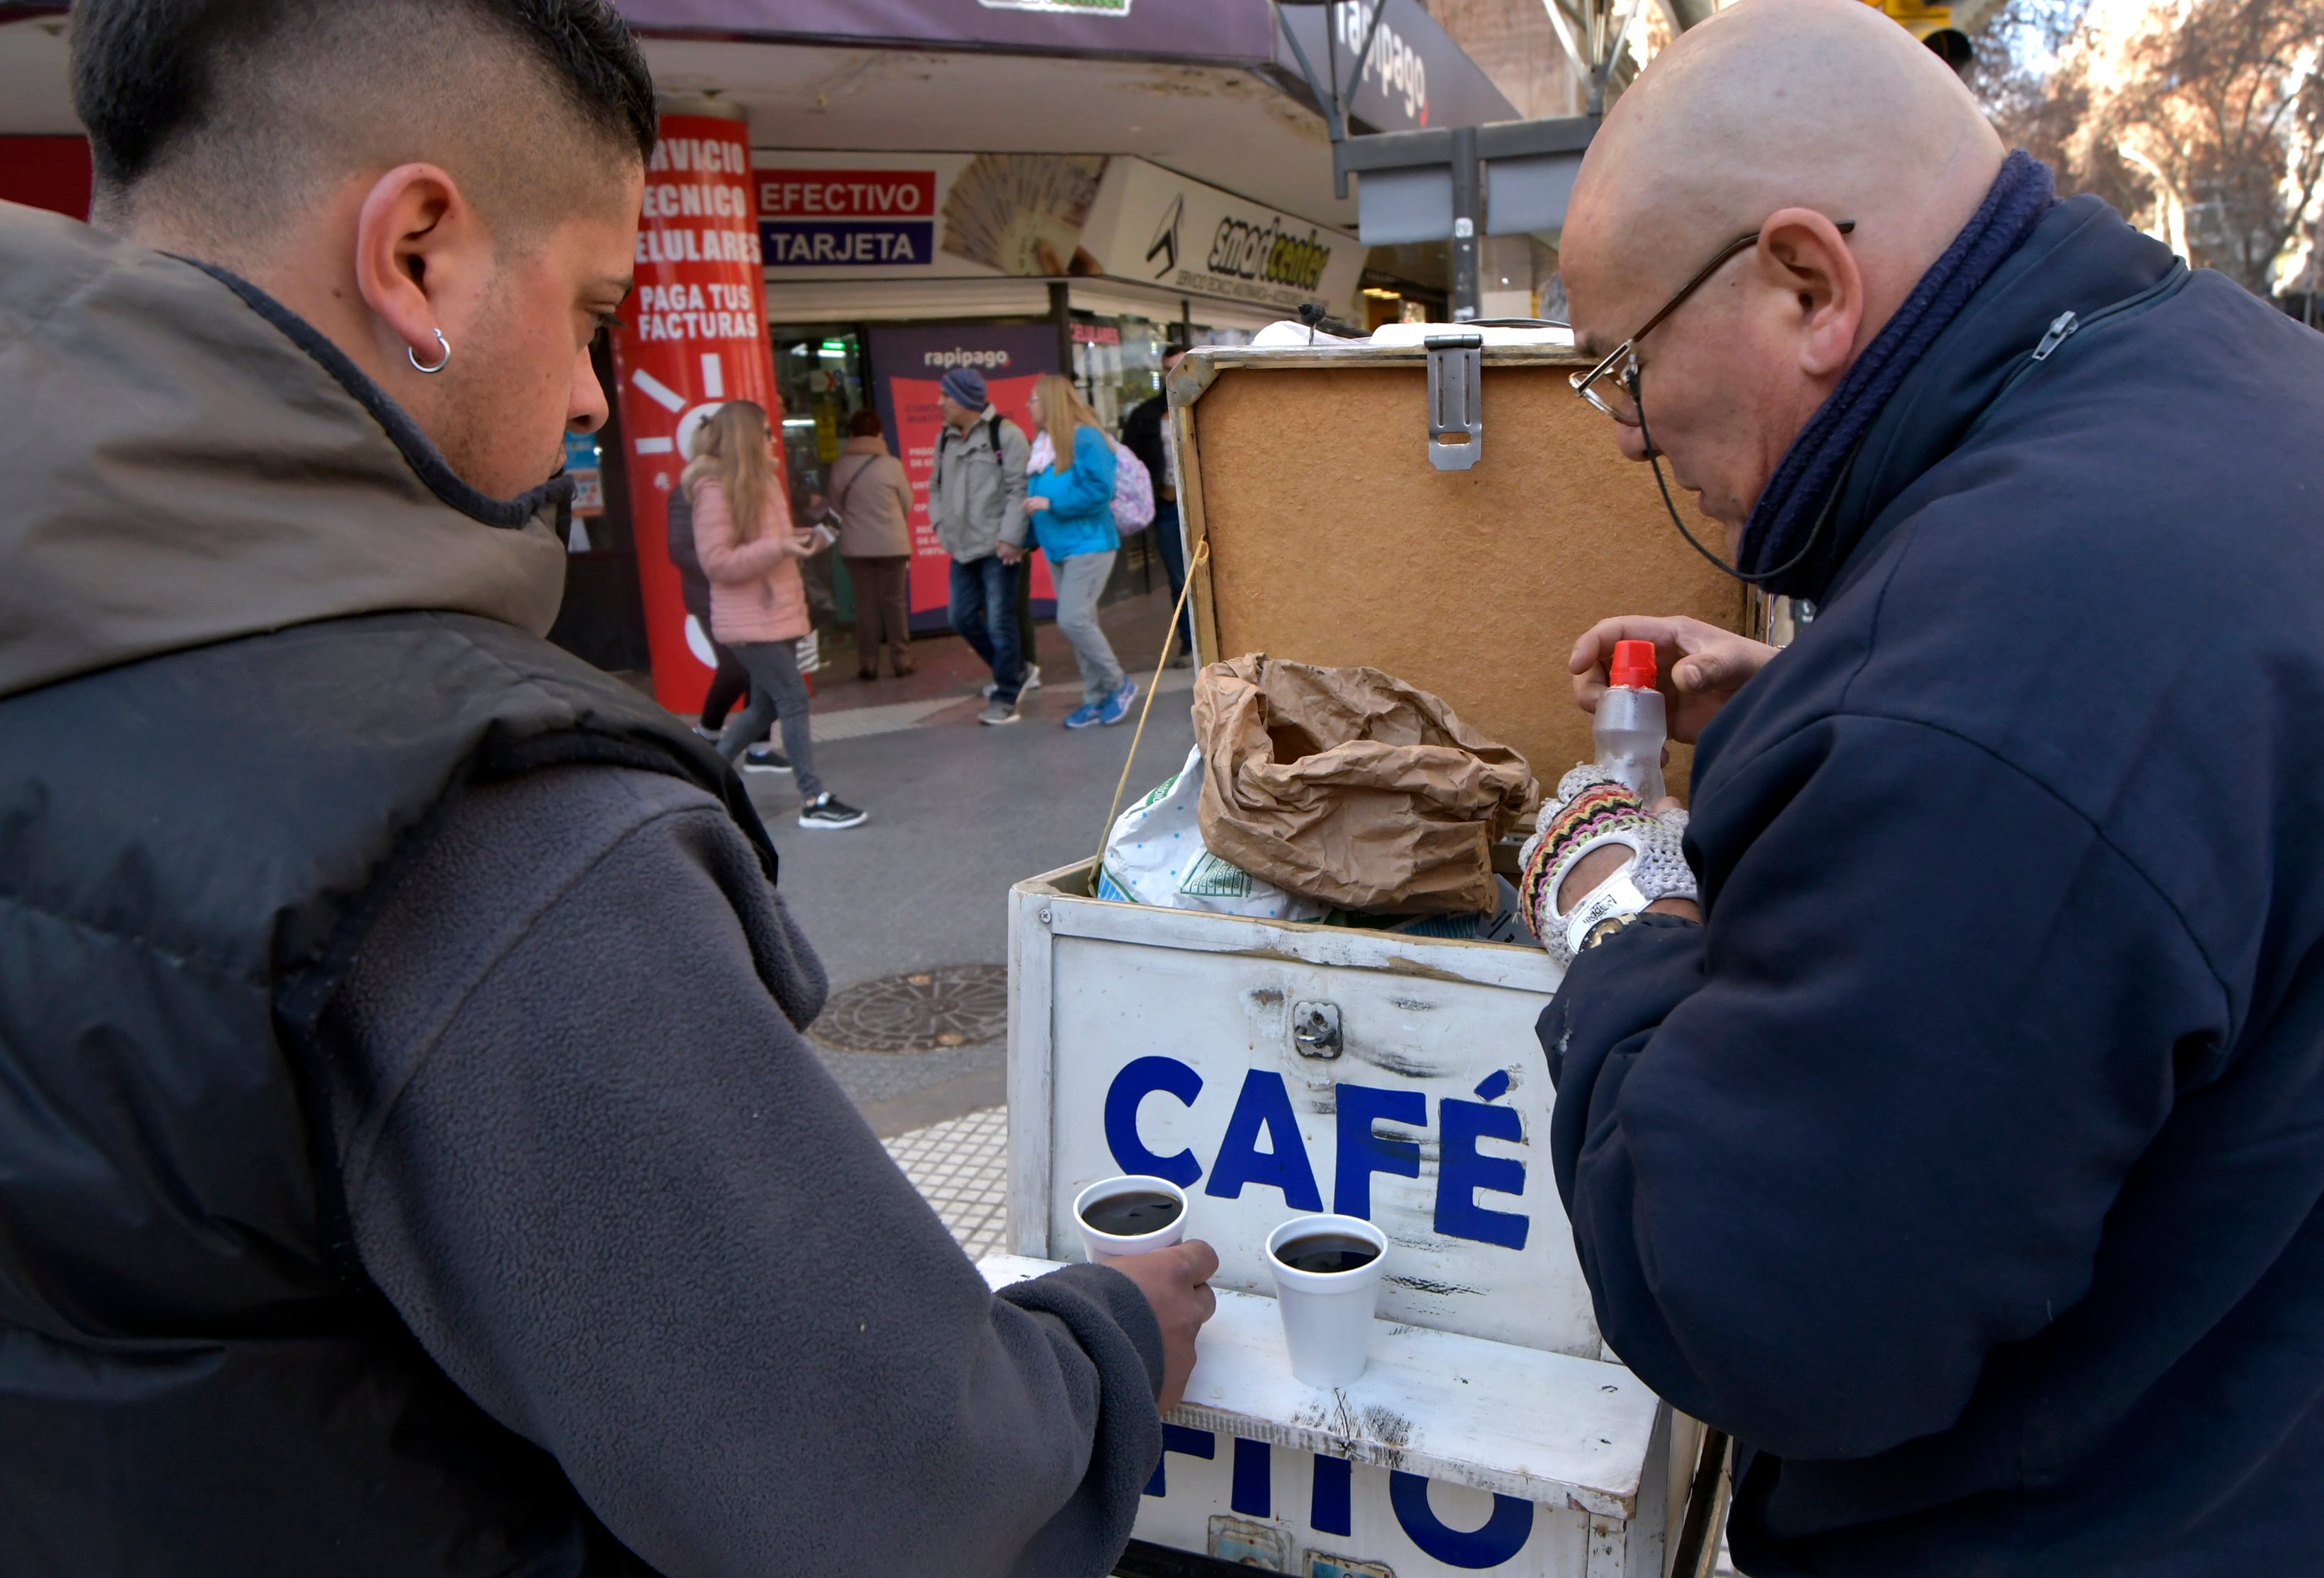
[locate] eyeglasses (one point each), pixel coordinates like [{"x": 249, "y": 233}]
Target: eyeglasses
[{"x": 1607, "y": 386}]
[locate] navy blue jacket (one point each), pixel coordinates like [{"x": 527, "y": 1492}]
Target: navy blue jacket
[{"x": 1966, "y": 1162}]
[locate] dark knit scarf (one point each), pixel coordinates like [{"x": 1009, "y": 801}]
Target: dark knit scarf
[{"x": 1786, "y": 515}]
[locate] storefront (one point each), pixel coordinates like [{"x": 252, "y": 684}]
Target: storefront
[
  {"x": 1002, "y": 195},
  {"x": 1075, "y": 189},
  {"x": 883, "y": 269}
]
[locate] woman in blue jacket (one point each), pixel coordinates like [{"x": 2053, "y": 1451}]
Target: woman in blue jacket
[{"x": 1070, "y": 503}]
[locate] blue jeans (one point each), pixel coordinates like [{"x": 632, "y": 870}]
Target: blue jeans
[
  {"x": 1174, "y": 565},
  {"x": 984, "y": 613}
]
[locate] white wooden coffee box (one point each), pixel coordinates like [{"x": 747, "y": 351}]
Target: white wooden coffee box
[{"x": 1273, "y": 1068}]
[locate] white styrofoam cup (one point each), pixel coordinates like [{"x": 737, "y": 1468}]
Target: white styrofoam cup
[
  {"x": 1327, "y": 1315},
  {"x": 1102, "y": 1247}
]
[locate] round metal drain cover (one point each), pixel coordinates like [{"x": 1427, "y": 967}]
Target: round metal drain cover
[{"x": 926, "y": 1010}]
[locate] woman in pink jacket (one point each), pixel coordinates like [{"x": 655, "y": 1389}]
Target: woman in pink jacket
[{"x": 750, "y": 551}]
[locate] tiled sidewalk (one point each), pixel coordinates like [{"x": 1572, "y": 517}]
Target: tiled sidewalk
[{"x": 962, "y": 1165}]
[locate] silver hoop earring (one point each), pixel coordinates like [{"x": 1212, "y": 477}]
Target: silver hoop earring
[{"x": 441, "y": 361}]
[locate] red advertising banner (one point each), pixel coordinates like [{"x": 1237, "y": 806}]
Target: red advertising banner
[
  {"x": 692, "y": 336},
  {"x": 908, "y": 366},
  {"x": 49, "y": 172}
]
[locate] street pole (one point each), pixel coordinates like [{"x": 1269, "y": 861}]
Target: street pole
[
  {"x": 1061, "y": 313},
  {"x": 1467, "y": 216}
]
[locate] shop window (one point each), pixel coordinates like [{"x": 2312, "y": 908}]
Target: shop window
[
  {"x": 821, "y": 378},
  {"x": 1118, "y": 361},
  {"x": 602, "y": 619},
  {"x": 1112, "y": 360}
]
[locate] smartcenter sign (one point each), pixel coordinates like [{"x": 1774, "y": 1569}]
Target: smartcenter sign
[
  {"x": 835, "y": 215},
  {"x": 1162, "y": 228}
]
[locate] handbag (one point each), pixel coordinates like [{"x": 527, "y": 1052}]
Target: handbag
[{"x": 837, "y": 509}]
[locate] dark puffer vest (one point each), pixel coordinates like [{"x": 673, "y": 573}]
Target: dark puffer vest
[
  {"x": 195, "y": 1377},
  {"x": 255, "y": 634}
]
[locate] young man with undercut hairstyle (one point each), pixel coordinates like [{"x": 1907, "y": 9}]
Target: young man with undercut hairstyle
[{"x": 409, "y": 1160}]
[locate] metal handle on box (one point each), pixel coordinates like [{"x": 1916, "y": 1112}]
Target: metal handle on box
[{"x": 1456, "y": 404}]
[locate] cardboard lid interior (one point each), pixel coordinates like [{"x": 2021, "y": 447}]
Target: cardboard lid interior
[{"x": 1334, "y": 540}]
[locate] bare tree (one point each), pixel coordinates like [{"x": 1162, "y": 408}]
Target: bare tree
[
  {"x": 2204, "y": 118},
  {"x": 2019, "y": 76},
  {"x": 2220, "y": 106}
]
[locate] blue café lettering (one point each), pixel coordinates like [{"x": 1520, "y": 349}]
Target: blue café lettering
[
  {"x": 1263, "y": 1109},
  {"x": 1331, "y": 1506}
]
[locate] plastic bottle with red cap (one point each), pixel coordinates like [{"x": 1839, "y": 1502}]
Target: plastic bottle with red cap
[{"x": 1631, "y": 727}]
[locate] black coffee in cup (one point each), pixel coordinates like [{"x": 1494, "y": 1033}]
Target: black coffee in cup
[
  {"x": 1131, "y": 1215},
  {"x": 1327, "y": 1252}
]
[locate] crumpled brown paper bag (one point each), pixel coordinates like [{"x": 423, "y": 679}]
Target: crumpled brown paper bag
[{"x": 1350, "y": 786}]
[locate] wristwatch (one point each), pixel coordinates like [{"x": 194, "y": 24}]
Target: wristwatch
[
  {"x": 1606, "y": 928},
  {"x": 1609, "y": 907}
]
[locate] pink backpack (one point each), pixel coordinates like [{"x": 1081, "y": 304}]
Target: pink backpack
[{"x": 1133, "y": 492}]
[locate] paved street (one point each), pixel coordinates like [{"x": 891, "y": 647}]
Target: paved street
[{"x": 958, "y": 813}]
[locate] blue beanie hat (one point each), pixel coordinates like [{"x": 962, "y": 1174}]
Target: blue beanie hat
[{"x": 967, "y": 385}]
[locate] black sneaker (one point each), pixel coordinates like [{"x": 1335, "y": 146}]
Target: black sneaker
[
  {"x": 764, "y": 759},
  {"x": 829, "y": 811}
]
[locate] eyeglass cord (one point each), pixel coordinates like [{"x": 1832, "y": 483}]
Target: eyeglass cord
[{"x": 1654, "y": 459}]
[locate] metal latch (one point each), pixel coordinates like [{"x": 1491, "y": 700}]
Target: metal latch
[
  {"x": 1455, "y": 377},
  {"x": 1316, "y": 1029}
]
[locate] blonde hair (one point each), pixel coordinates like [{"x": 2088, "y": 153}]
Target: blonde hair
[
  {"x": 1062, "y": 409},
  {"x": 731, "y": 444}
]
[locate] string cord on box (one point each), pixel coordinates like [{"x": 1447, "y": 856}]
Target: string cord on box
[
  {"x": 1170, "y": 633},
  {"x": 1756, "y": 580}
]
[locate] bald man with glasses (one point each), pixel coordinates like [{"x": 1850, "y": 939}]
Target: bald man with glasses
[{"x": 1939, "y": 1097}]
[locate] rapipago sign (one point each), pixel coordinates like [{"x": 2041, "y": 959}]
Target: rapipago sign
[{"x": 1414, "y": 77}]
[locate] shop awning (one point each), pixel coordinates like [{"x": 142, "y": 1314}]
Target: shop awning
[{"x": 838, "y": 301}]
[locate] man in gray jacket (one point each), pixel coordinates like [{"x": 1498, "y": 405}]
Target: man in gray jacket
[
  {"x": 976, "y": 500},
  {"x": 413, "y": 1161}
]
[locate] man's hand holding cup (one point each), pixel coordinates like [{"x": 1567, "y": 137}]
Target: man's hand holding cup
[{"x": 1134, "y": 1225}]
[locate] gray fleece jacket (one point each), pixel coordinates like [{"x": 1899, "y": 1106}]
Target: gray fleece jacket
[
  {"x": 588, "y": 1156},
  {"x": 976, "y": 493},
  {"x": 592, "y": 1163}
]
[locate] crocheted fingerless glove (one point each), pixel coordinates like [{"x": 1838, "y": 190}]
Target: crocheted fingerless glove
[{"x": 1594, "y": 807}]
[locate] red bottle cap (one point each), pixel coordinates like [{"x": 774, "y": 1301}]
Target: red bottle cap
[{"x": 1633, "y": 665}]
